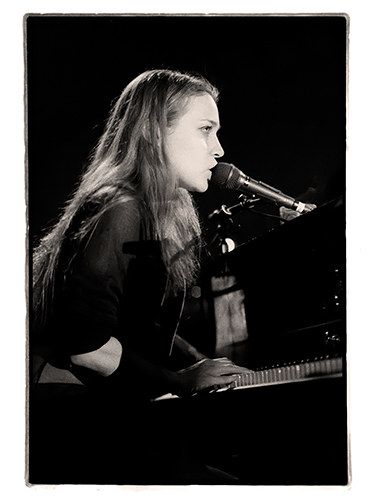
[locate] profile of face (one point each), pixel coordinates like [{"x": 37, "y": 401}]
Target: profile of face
[{"x": 191, "y": 144}]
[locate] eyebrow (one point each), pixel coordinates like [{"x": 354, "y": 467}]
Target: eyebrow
[{"x": 213, "y": 122}]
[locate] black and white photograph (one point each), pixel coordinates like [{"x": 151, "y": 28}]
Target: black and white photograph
[{"x": 186, "y": 248}]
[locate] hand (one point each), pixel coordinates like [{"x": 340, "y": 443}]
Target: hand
[
  {"x": 289, "y": 214},
  {"x": 209, "y": 373},
  {"x": 309, "y": 207}
]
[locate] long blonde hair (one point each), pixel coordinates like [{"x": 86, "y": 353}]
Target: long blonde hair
[{"x": 129, "y": 160}]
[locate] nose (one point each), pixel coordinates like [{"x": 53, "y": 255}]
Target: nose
[{"x": 218, "y": 151}]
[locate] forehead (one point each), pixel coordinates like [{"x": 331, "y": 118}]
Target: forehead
[{"x": 201, "y": 107}]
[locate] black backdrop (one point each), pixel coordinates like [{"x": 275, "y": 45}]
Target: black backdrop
[
  {"x": 283, "y": 116},
  {"x": 282, "y": 108}
]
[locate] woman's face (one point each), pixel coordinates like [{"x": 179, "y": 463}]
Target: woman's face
[{"x": 191, "y": 144}]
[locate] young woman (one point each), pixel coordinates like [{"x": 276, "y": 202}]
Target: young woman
[{"x": 109, "y": 277}]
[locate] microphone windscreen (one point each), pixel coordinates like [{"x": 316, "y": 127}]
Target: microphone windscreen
[{"x": 226, "y": 175}]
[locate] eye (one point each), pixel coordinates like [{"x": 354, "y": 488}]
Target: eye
[{"x": 207, "y": 128}]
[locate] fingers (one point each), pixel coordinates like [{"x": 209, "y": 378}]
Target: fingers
[
  {"x": 221, "y": 366},
  {"x": 227, "y": 366},
  {"x": 216, "y": 388},
  {"x": 309, "y": 207},
  {"x": 213, "y": 384},
  {"x": 225, "y": 380},
  {"x": 208, "y": 374}
]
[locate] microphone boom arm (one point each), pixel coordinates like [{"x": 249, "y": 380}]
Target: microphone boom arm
[
  {"x": 226, "y": 212},
  {"x": 262, "y": 189}
]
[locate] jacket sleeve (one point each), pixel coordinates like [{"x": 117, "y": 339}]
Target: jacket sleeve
[{"x": 89, "y": 310}]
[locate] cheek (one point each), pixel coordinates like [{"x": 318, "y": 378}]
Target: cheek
[
  {"x": 184, "y": 145},
  {"x": 181, "y": 151},
  {"x": 175, "y": 147}
]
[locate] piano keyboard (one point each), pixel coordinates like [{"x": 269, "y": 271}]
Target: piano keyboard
[
  {"x": 318, "y": 368},
  {"x": 309, "y": 370}
]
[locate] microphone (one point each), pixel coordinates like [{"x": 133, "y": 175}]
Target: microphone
[{"x": 226, "y": 175}]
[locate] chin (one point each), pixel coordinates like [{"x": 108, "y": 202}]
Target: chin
[
  {"x": 195, "y": 188},
  {"x": 200, "y": 189}
]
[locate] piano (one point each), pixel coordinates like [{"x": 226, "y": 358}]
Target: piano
[
  {"x": 293, "y": 279},
  {"x": 286, "y": 422}
]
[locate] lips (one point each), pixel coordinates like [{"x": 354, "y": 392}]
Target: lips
[{"x": 210, "y": 170}]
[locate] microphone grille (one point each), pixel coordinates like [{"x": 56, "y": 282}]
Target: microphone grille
[{"x": 226, "y": 175}]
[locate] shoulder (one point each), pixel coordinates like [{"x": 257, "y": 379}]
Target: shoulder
[
  {"x": 118, "y": 223},
  {"x": 122, "y": 218},
  {"x": 125, "y": 208}
]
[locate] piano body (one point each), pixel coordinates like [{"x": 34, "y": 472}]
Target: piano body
[
  {"x": 293, "y": 279},
  {"x": 289, "y": 424}
]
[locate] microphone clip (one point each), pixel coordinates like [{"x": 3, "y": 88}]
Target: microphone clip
[
  {"x": 224, "y": 222},
  {"x": 225, "y": 212}
]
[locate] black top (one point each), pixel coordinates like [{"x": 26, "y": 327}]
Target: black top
[{"x": 114, "y": 287}]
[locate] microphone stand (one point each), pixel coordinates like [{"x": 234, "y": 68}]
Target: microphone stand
[{"x": 224, "y": 221}]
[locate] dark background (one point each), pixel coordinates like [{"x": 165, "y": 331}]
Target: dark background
[
  {"x": 282, "y": 108},
  {"x": 283, "y": 115}
]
